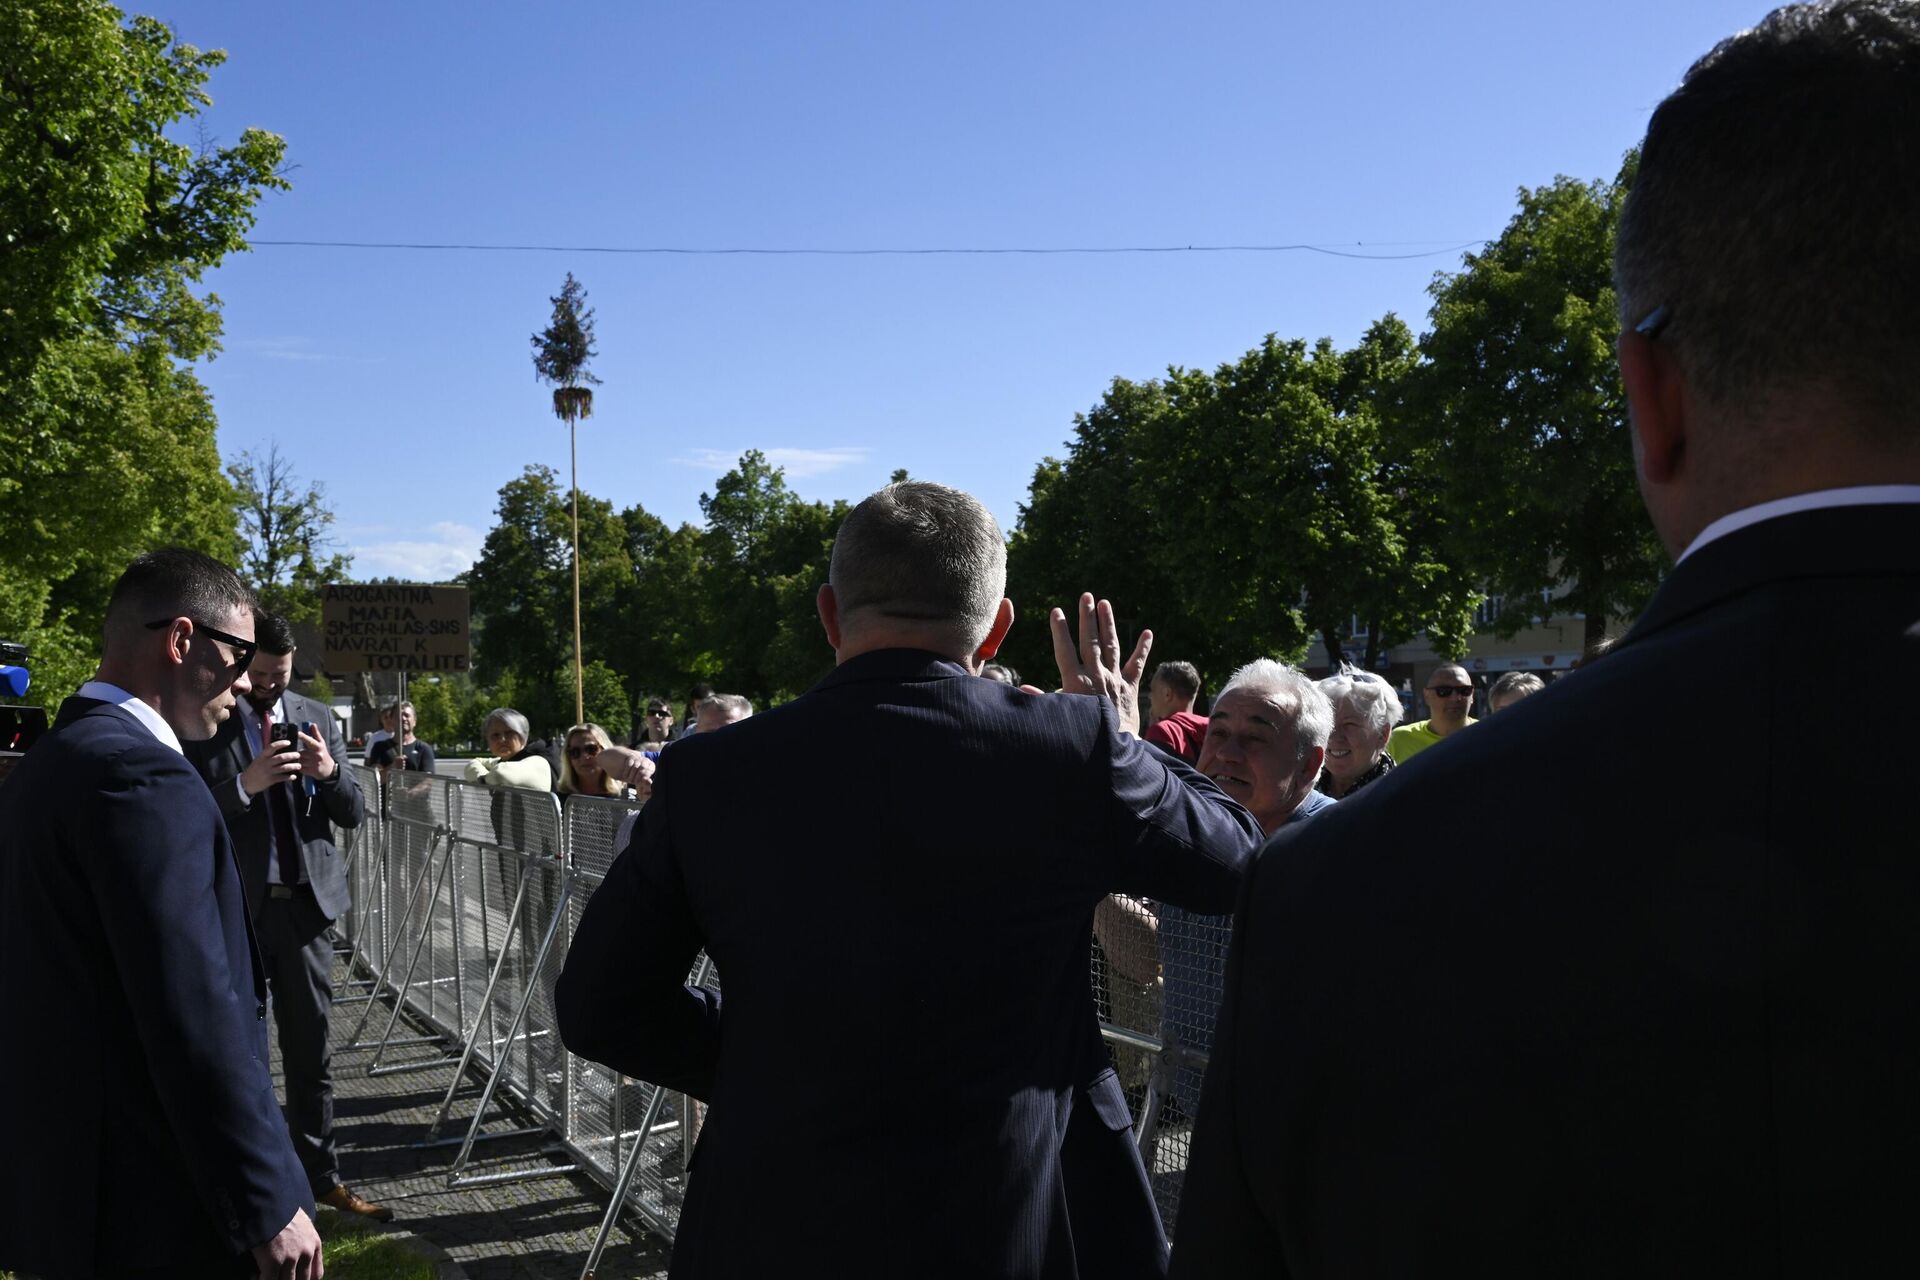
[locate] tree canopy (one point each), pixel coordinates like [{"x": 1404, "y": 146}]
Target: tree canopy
[
  {"x": 1240, "y": 513},
  {"x": 1518, "y": 414},
  {"x": 107, "y": 222},
  {"x": 287, "y": 553}
]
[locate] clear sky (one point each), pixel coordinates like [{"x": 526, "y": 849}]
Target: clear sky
[{"x": 403, "y": 381}]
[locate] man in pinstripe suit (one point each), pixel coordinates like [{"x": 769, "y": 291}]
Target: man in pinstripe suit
[{"x": 909, "y": 1023}]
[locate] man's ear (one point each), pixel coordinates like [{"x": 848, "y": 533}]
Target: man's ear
[
  {"x": 829, "y": 606},
  {"x": 1657, "y": 407},
  {"x": 1002, "y": 623},
  {"x": 1315, "y": 762}
]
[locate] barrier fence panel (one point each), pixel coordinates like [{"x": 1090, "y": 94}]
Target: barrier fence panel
[
  {"x": 363, "y": 924},
  {"x": 510, "y": 848},
  {"x": 466, "y": 898}
]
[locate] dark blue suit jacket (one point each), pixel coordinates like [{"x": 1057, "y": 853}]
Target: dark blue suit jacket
[
  {"x": 1658, "y": 1014},
  {"x": 895, "y": 876},
  {"x": 140, "y": 1120}
]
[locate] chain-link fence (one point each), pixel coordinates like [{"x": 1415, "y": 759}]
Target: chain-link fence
[{"x": 465, "y": 898}]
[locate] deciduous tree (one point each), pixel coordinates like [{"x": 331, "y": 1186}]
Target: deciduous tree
[
  {"x": 1520, "y": 416},
  {"x": 285, "y": 524}
]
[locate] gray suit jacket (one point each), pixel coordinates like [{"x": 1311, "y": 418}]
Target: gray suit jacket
[{"x": 220, "y": 760}]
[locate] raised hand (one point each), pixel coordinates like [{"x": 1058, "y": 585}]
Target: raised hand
[{"x": 1094, "y": 664}]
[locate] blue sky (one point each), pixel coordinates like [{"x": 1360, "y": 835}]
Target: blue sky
[{"x": 402, "y": 380}]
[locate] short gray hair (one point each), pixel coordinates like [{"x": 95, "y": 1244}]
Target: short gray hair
[
  {"x": 1379, "y": 703},
  {"x": 511, "y": 720},
  {"x": 734, "y": 704},
  {"x": 1292, "y": 692},
  {"x": 1517, "y": 683},
  {"x": 921, "y": 552}
]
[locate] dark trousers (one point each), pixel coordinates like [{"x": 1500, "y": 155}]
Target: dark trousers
[{"x": 298, "y": 952}]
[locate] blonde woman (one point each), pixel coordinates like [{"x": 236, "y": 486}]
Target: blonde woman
[{"x": 580, "y": 766}]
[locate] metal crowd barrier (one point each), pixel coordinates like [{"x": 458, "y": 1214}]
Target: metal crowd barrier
[{"x": 465, "y": 898}]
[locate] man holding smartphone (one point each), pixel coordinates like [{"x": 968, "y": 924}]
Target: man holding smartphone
[{"x": 277, "y": 771}]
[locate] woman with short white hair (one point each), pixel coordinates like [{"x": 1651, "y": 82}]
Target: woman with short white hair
[{"x": 1365, "y": 709}]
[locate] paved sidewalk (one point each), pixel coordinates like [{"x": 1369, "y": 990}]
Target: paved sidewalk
[{"x": 533, "y": 1230}]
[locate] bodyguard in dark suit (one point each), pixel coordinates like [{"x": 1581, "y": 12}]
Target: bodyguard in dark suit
[
  {"x": 281, "y": 801},
  {"x": 895, "y": 876},
  {"x": 141, "y": 1128},
  {"x": 1662, "y": 1016}
]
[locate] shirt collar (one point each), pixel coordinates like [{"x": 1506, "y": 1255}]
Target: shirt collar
[
  {"x": 1856, "y": 496},
  {"x": 102, "y": 691}
]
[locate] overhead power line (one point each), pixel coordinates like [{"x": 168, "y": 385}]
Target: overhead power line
[{"x": 1332, "y": 251}]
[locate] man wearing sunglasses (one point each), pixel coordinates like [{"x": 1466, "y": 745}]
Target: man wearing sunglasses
[
  {"x": 277, "y": 770},
  {"x": 1449, "y": 695},
  {"x": 142, "y": 1131}
]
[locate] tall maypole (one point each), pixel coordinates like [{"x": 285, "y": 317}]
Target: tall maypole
[{"x": 560, "y": 356}]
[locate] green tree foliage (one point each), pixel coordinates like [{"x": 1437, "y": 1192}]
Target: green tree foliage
[
  {"x": 1518, "y": 416},
  {"x": 108, "y": 221},
  {"x": 766, "y": 554},
  {"x": 522, "y": 591},
  {"x": 107, "y": 452},
  {"x": 288, "y": 555},
  {"x": 1239, "y": 513},
  {"x": 662, "y": 629},
  {"x": 562, "y": 351},
  {"x": 607, "y": 704},
  {"x": 731, "y": 603},
  {"x": 106, "y": 224},
  {"x": 438, "y": 708}
]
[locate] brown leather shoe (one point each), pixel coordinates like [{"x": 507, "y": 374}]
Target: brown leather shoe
[{"x": 347, "y": 1202}]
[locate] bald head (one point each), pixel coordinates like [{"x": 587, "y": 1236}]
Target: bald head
[{"x": 1449, "y": 695}]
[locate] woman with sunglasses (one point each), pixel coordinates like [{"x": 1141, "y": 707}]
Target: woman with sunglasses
[{"x": 580, "y": 769}]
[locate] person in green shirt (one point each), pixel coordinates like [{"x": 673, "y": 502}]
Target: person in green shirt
[{"x": 1449, "y": 695}]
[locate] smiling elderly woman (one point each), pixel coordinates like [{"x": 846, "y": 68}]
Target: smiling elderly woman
[
  {"x": 515, "y": 762},
  {"x": 1365, "y": 709}
]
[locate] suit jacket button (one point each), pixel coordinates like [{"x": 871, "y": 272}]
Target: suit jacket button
[{"x": 260, "y": 1013}]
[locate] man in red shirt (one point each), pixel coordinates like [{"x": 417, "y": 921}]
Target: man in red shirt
[{"x": 1170, "y": 696}]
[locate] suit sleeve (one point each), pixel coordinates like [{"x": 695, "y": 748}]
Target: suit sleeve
[
  {"x": 340, "y": 794},
  {"x": 1179, "y": 838},
  {"x": 622, "y": 999},
  {"x": 151, "y": 860},
  {"x": 220, "y": 761},
  {"x": 1221, "y": 1233}
]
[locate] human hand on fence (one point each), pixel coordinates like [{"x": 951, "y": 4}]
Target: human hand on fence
[
  {"x": 1094, "y": 665},
  {"x": 277, "y": 761}
]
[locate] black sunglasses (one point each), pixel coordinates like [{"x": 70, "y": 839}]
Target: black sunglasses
[
  {"x": 579, "y": 749},
  {"x": 1451, "y": 690},
  {"x": 658, "y": 711},
  {"x": 243, "y": 650}
]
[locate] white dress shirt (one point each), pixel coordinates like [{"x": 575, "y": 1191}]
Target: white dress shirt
[
  {"x": 102, "y": 691},
  {"x": 1865, "y": 495}
]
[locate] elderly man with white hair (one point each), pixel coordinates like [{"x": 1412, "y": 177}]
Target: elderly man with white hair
[
  {"x": 1365, "y": 709},
  {"x": 1266, "y": 746}
]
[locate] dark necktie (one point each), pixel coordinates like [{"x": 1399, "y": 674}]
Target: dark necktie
[{"x": 286, "y": 841}]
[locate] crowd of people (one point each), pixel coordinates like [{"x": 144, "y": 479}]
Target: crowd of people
[{"x": 1680, "y": 1037}]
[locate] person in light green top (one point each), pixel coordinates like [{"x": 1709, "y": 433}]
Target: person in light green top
[{"x": 1449, "y": 695}]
